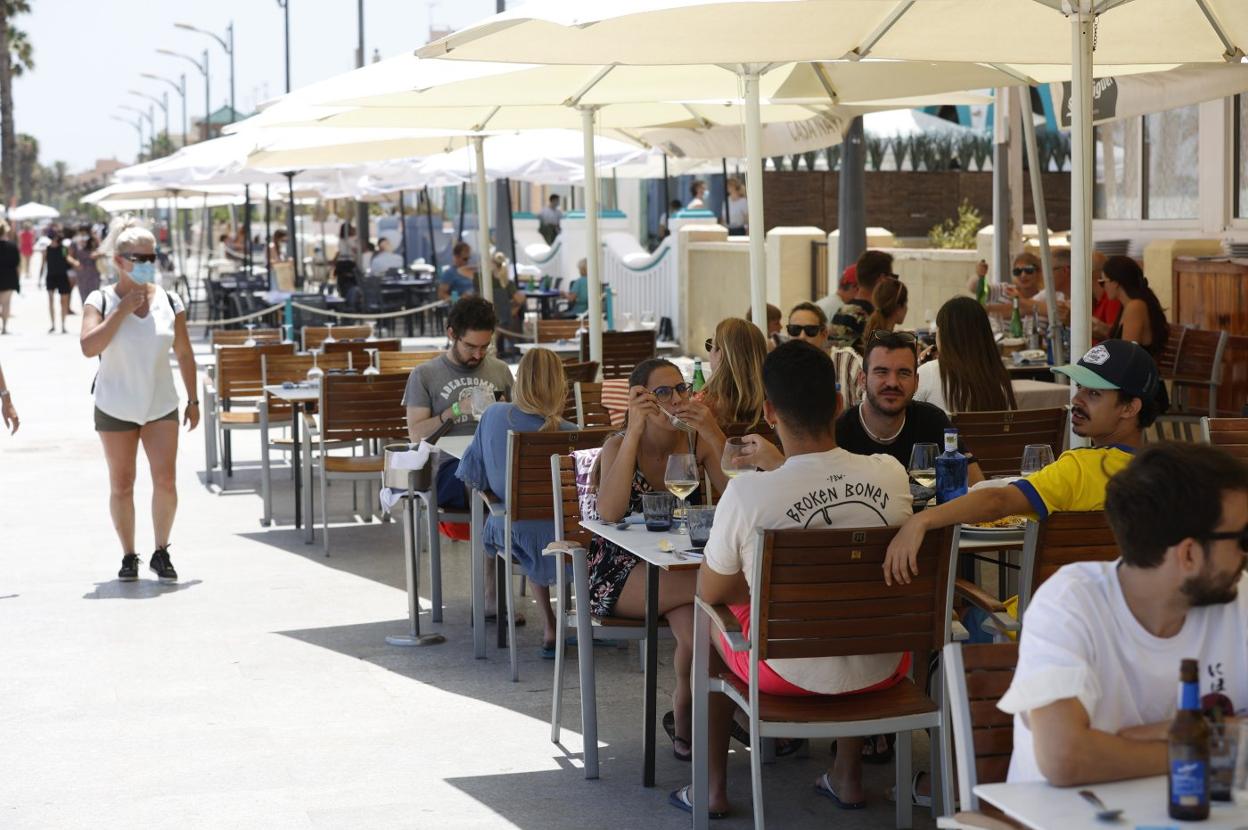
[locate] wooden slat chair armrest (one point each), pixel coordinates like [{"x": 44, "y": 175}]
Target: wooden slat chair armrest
[
  {"x": 492, "y": 502},
  {"x": 724, "y": 620},
  {"x": 990, "y": 605}
]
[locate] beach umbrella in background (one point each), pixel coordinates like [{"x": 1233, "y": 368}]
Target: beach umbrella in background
[{"x": 33, "y": 211}]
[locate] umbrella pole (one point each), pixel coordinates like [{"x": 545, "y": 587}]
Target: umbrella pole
[
  {"x": 851, "y": 203},
  {"x": 724, "y": 163},
  {"x": 511, "y": 225},
  {"x": 1081, "y": 180},
  {"x": 433, "y": 242},
  {"x": 173, "y": 229},
  {"x": 463, "y": 196},
  {"x": 268, "y": 234},
  {"x": 754, "y": 158},
  {"x": 290, "y": 222},
  {"x": 1001, "y": 184},
  {"x": 247, "y": 228},
  {"x": 483, "y": 216},
  {"x": 403, "y": 230},
  {"x": 1042, "y": 226},
  {"x": 593, "y": 256},
  {"x": 667, "y": 197}
]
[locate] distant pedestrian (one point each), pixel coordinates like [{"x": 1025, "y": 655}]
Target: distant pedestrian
[
  {"x": 7, "y": 411},
  {"x": 86, "y": 251},
  {"x": 131, "y": 327},
  {"x": 26, "y": 244},
  {"x": 697, "y": 195},
  {"x": 550, "y": 219},
  {"x": 738, "y": 209},
  {"x": 10, "y": 261},
  {"x": 56, "y": 265}
]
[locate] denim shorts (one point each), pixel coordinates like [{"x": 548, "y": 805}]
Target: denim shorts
[{"x": 107, "y": 423}]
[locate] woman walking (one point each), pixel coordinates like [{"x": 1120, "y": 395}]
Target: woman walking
[
  {"x": 10, "y": 260},
  {"x": 131, "y": 326},
  {"x": 85, "y": 251},
  {"x": 56, "y": 265}
]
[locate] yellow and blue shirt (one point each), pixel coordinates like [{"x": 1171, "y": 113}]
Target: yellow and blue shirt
[{"x": 1076, "y": 481}]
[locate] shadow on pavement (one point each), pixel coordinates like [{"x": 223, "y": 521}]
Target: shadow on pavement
[{"x": 142, "y": 589}]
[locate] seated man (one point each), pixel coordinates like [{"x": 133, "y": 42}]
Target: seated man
[
  {"x": 384, "y": 260},
  {"x": 1115, "y": 403},
  {"x": 458, "y": 278},
  {"x": 800, "y": 385},
  {"x": 435, "y": 389},
  {"x": 577, "y": 294},
  {"x": 889, "y": 419},
  {"x": 1093, "y": 694}
]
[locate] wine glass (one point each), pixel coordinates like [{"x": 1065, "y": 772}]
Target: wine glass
[
  {"x": 733, "y": 461},
  {"x": 372, "y": 333},
  {"x": 1035, "y": 458},
  {"x": 647, "y": 320},
  {"x": 681, "y": 478},
  {"x": 372, "y": 369},
  {"x": 251, "y": 338},
  {"x": 923, "y": 470},
  {"x": 329, "y": 333},
  {"x": 316, "y": 372},
  {"x": 628, "y": 321},
  {"x": 479, "y": 399}
]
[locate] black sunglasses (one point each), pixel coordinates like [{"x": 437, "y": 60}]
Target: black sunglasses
[
  {"x": 1241, "y": 535},
  {"x": 709, "y": 345},
  {"x": 810, "y": 331},
  {"x": 665, "y": 392},
  {"x": 139, "y": 257},
  {"x": 1026, "y": 269}
]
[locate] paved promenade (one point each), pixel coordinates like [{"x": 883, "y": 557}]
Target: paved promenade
[{"x": 259, "y": 692}]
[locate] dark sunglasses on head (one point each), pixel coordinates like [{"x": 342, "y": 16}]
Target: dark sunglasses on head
[
  {"x": 902, "y": 336},
  {"x": 139, "y": 257},
  {"x": 809, "y": 331},
  {"x": 709, "y": 345},
  {"x": 665, "y": 392},
  {"x": 1026, "y": 269},
  {"x": 1241, "y": 535}
]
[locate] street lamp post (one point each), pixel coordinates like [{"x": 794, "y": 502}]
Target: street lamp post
[
  {"x": 162, "y": 102},
  {"x": 151, "y": 120},
  {"x": 138, "y": 126},
  {"x": 285, "y": 6},
  {"x": 180, "y": 89},
  {"x": 203, "y": 70},
  {"x": 227, "y": 43}
]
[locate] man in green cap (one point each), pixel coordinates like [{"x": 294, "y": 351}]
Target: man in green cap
[{"x": 1115, "y": 401}]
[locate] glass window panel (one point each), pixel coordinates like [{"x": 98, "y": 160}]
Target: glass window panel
[
  {"x": 1241, "y": 156},
  {"x": 1173, "y": 191},
  {"x": 1116, "y": 194}
]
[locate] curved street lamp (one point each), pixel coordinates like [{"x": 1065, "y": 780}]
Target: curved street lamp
[
  {"x": 163, "y": 103},
  {"x": 203, "y": 70},
  {"x": 137, "y": 124},
  {"x": 179, "y": 88},
  {"x": 227, "y": 43}
]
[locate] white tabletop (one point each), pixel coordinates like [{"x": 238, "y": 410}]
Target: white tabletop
[
  {"x": 566, "y": 346},
  {"x": 454, "y": 445},
  {"x": 1043, "y": 807},
  {"x": 305, "y": 391},
  {"x": 644, "y": 544},
  {"x": 1040, "y": 394}
]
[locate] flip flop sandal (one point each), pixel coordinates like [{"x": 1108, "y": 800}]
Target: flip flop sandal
[
  {"x": 824, "y": 788},
  {"x": 548, "y": 649},
  {"x": 915, "y": 798},
  {"x": 669, "y": 726},
  {"x": 680, "y": 799},
  {"x": 784, "y": 746}
]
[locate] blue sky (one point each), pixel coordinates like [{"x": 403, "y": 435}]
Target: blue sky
[{"x": 88, "y": 54}]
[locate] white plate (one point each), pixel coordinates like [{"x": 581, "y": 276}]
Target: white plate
[{"x": 995, "y": 534}]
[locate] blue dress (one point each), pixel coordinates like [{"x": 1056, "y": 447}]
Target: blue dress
[{"x": 484, "y": 466}]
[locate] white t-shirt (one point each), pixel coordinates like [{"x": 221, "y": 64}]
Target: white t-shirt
[
  {"x": 1080, "y": 640},
  {"x": 816, "y": 490},
  {"x": 738, "y": 212},
  {"x": 930, "y": 389},
  {"x": 135, "y": 381},
  {"x": 383, "y": 261}
]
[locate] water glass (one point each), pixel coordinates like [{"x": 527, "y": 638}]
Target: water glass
[
  {"x": 657, "y": 508},
  {"x": 734, "y": 461},
  {"x": 1225, "y": 781},
  {"x": 1035, "y": 458},
  {"x": 479, "y": 397},
  {"x": 922, "y": 470},
  {"x": 699, "y": 520},
  {"x": 648, "y": 320}
]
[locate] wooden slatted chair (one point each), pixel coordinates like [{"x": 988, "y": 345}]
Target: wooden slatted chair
[
  {"x": 236, "y": 337},
  {"x": 976, "y": 678},
  {"x": 997, "y": 439},
  {"x": 590, "y": 411},
  {"x": 821, "y": 593},
  {"x": 1229, "y": 434},
  {"x": 571, "y": 545},
  {"x": 403, "y": 362},
  {"x": 314, "y": 336},
  {"x": 275, "y": 413},
  {"x": 622, "y": 351},
  {"x": 552, "y": 331},
  {"x": 1170, "y": 352},
  {"x": 1194, "y": 384},
  {"x": 357, "y": 349},
  {"x": 356, "y": 409},
  {"x": 576, "y": 372},
  {"x": 234, "y": 393}
]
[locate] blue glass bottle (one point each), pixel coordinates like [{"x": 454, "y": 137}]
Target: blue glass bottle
[{"x": 950, "y": 470}]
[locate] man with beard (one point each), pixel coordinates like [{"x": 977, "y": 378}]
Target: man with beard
[
  {"x": 1115, "y": 402},
  {"x": 889, "y": 420},
  {"x": 438, "y": 391},
  {"x": 1093, "y": 694}
]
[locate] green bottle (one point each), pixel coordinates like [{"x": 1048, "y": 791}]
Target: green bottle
[
  {"x": 984, "y": 293},
  {"x": 699, "y": 380},
  {"x": 1016, "y": 321}
]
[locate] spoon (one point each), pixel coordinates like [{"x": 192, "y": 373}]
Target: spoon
[{"x": 1103, "y": 813}]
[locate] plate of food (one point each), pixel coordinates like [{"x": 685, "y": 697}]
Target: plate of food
[{"x": 1007, "y": 526}]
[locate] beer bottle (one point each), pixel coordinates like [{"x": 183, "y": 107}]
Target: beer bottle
[{"x": 1188, "y": 766}]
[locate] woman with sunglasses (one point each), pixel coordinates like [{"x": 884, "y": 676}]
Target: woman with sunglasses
[
  {"x": 632, "y": 463},
  {"x": 734, "y": 394},
  {"x": 131, "y": 326},
  {"x": 809, "y": 322}
]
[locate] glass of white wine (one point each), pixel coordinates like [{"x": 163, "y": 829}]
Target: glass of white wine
[
  {"x": 329, "y": 333},
  {"x": 923, "y": 471},
  {"x": 681, "y": 479},
  {"x": 250, "y": 342},
  {"x": 733, "y": 461}
]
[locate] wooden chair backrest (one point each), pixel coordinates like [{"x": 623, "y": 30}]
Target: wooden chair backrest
[
  {"x": 566, "y": 501},
  {"x": 1170, "y": 352},
  {"x": 1059, "y": 540},
  {"x": 238, "y": 374},
  {"x": 281, "y": 368},
  {"x": 986, "y": 673},
  {"x": 590, "y": 410},
  {"x": 821, "y": 593},
  {"x": 997, "y": 439},
  {"x": 237, "y": 337},
  {"x": 395, "y": 362},
  {"x": 622, "y": 351},
  {"x": 529, "y": 486},
  {"x": 314, "y": 336},
  {"x": 1198, "y": 367},
  {"x": 363, "y": 407},
  {"x": 761, "y": 428},
  {"x": 550, "y": 331},
  {"x": 1229, "y": 434},
  {"x": 356, "y": 348},
  {"x": 586, "y": 372}
]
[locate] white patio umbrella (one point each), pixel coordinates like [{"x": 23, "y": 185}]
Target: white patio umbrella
[
  {"x": 33, "y": 210},
  {"x": 1031, "y": 36}
]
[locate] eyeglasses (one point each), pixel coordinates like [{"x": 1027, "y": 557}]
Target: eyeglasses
[
  {"x": 709, "y": 345},
  {"x": 901, "y": 336},
  {"x": 139, "y": 257},
  {"x": 809, "y": 331},
  {"x": 664, "y": 393},
  {"x": 1241, "y": 535},
  {"x": 474, "y": 348},
  {"x": 1026, "y": 269},
  {"x": 1101, "y": 281}
]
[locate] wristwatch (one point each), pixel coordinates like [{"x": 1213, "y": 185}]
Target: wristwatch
[
  {"x": 192, "y": 403},
  {"x": 4, "y": 393}
]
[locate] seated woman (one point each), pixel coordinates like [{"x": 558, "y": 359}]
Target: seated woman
[
  {"x": 1142, "y": 319},
  {"x": 634, "y": 462},
  {"x": 968, "y": 375},
  {"x": 537, "y": 405},
  {"x": 734, "y": 394},
  {"x": 891, "y": 300}
]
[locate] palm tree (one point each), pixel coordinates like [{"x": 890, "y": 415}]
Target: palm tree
[
  {"x": 16, "y": 57},
  {"x": 27, "y": 161}
]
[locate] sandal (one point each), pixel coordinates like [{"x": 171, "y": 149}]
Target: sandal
[
  {"x": 548, "y": 649},
  {"x": 869, "y": 753},
  {"x": 681, "y": 800},
  {"x": 669, "y": 726},
  {"x": 916, "y": 798},
  {"x": 784, "y": 746},
  {"x": 823, "y": 786}
]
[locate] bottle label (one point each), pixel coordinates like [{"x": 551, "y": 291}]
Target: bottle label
[
  {"x": 1189, "y": 696},
  {"x": 1188, "y": 782},
  {"x": 951, "y": 440}
]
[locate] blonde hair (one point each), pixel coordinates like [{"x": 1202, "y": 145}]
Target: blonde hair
[
  {"x": 125, "y": 233},
  {"x": 541, "y": 388},
  {"x": 501, "y": 265},
  {"x": 736, "y": 387}
]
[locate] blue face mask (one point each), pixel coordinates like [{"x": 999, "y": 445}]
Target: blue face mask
[{"x": 143, "y": 272}]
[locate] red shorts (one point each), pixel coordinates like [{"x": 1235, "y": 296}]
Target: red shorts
[{"x": 770, "y": 683}]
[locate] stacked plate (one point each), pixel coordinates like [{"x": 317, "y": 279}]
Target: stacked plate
[
  {"x": 1239, "y": 250},
  {"x": 1112, "y": 247}
]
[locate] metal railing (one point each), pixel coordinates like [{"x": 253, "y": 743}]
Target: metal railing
[{"x": 641, "y": 281}]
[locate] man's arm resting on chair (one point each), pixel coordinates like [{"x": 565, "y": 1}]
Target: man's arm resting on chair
[{"x": 1070, "y": 752}]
